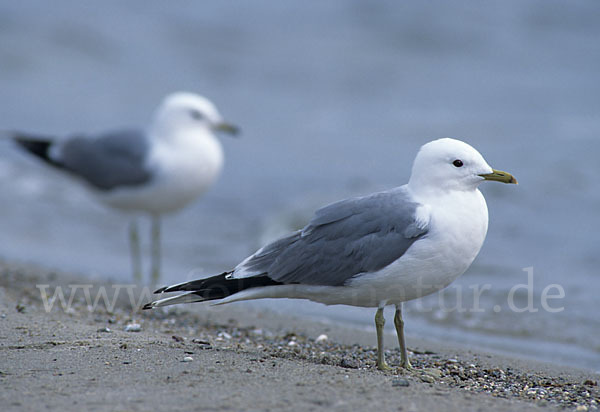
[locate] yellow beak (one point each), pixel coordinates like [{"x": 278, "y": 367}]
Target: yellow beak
[
  {"x": 227, "y": 128},
  {"x": 500, "y": 176}
]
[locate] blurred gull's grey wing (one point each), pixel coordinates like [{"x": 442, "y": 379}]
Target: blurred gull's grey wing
[
  {"x": 344, "y": 239},
  {"x": 108, "y": 161}
]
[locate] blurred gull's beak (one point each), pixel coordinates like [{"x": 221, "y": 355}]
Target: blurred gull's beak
[
  {"x": 226, "y": 128},
  {"x": 499, "y": 176}
]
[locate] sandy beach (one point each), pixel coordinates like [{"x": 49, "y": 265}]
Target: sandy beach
[{"x": 238, "y": 358}]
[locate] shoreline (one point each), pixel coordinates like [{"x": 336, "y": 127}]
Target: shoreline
[{"x": 243, "y": 358}]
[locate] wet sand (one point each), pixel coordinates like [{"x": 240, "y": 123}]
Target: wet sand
[{"x": 237, "y": 357}]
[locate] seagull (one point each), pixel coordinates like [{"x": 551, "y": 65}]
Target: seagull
[
  {"x": 153, "y": 172},
  {"x": 382, "y": 249}
]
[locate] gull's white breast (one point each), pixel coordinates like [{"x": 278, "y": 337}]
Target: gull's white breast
[{"x": 182, "y": 171}]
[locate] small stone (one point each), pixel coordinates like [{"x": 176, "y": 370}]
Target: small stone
[
  {"x": 427, "y": 378},
  {"x": 188, "y": 359},
  {"x": 321, "y": 338},
  {"x": 177, "y": 338},
  {"x": 104, "y": 330},
  {"x": 3, "y": 316},
  {"x": 224, "y": 335},
  {"x": 400, "y": 382},
  {"x": 433, "y": 372},
  {"x": 292, "y": 343},
  {"x": 581, "y": 408},
  {"x": 349, "y": 363},
  {"x": 133, "y": 327}
]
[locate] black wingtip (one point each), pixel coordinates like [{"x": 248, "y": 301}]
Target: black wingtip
[
  {"x": 37, "y": 146},
  {"x": 193, "y": 285},
  {"x": 147, "y": 306}
]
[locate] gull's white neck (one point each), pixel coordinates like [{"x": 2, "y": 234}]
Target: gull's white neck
[{"x": 195, "y": 151}]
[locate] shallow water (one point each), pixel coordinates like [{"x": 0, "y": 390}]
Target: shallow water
[{"x": 334, "y": 100}]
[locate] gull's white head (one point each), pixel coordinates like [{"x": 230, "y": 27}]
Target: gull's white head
[
  {"x": 449, "y": 164},
  {"x": 183, "y": 110}
]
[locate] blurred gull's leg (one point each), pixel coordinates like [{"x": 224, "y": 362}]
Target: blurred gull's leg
[
  {"x": 155, "y": 249},
  {"x": 134, "y": 248}
]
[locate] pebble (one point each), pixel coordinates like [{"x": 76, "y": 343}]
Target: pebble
[
  {"x": 133, "y": 327},
  {"x": 104, "y": 330},
  {"x": 349, "y": 363},
  {"x": 427, "y": 378},
  {"x": 400, "y": 382},
  {"x": 188, "y": 359},
  {"x": 433, "y": 372},
  {"x": 224, "y": 335},
  {"x": 321, "y": 338},
  {"x": 581, "y": 408}
]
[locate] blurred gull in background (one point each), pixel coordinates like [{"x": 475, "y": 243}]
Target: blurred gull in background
[{"x": 157, "y": 171}]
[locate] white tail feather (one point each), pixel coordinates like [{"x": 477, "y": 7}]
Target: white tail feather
[{"x": 188, "y": 297}]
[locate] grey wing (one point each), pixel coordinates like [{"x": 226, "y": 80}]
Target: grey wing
[
  {"x": 350, "y": 237},
  {"x": 107, "y": 161}
]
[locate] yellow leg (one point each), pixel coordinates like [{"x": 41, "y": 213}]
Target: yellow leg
[
  {"x": 379, "y": 323},
  {"x": 399, "y": 323}
]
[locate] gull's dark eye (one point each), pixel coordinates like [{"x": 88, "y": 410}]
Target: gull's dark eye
[
  {"x": 196, "y": 114},
  {"x": 457, "y": 163}
]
